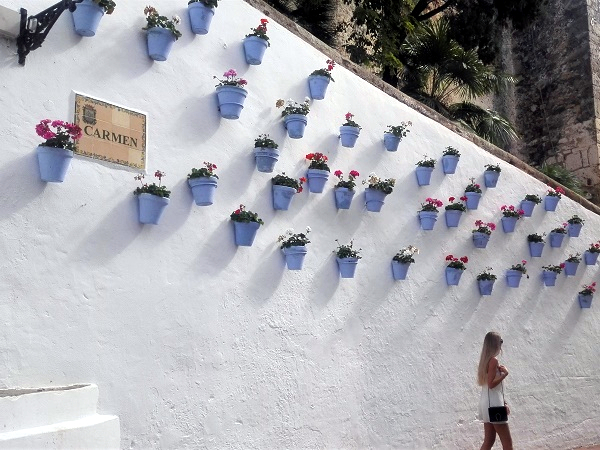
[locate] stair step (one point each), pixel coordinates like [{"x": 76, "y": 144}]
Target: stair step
[
  {"x": 91, "y": 432},
  {"x": 30, "y": 408}
]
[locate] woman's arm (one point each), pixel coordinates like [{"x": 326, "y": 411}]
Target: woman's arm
[{"x": 494, "y": 380}]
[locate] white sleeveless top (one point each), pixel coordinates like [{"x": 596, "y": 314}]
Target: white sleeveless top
[{"x": 495, "y": 399}]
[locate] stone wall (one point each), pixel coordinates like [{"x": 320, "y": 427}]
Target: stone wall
[{"x": 556, "y": 97}]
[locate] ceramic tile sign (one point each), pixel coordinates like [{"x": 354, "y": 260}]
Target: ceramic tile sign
[{"x": 110, "y": 132}]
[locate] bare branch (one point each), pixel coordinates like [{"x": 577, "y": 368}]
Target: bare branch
[{"x": 422, "y": 5}]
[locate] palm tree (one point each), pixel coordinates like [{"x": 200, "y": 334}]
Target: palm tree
[{"x": 437, "y": 71}]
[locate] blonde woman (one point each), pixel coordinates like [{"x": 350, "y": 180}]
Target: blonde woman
[{"x": 490, "y": 376}]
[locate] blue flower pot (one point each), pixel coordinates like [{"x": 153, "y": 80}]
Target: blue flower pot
[
  {"x": 480, "y": 240},
  {"x": 527, "y": 206},
  {"x": 53, "y": 163},
  {"x": 295, "y": 125},
  {"x": 513, "y": 278},
  {"x": 453, "y": 276},
  {"x": 254, "y": 49},
  {"x": 317, "y": 85},
  {"x": 231, "y": 101},
  {"x": 490, "y": 178},
  {"x": 472, "y": 200},
  {"x": 391, "y": 142},
  {"x": 449, "y": 163},
  {"x": 266, "y": 158},
  {"x": 349, "y": 135},
  {"x": 427, "y": 219},
  {"x": 549, "y": 277},
  {"x": 556, "y": 239},
  {"x": 399, "y": 270},
  {"x": 347, "y": 266},
  {"x": 486, "y": 286},
  {"x": 86, "y": 18},
  {"x": 509, "y": 223},
  {"x": 294, "y": 256},
  {"x": 374, "y": 199},
  {"x": 151, "y": 208},
  {"x": 203, "y": 190},
  {"x": 452, "y": 217},
  {"x": 282, "y": 197},
  {"x": 550, "y": 202},
  {"x": 200, "y": 17},
  {"x": 245, "y": 232},
  {"x": 423, "y": 175},
  {"x": 343, "y": 197},
  {"x": 573, "y": 229},
  {"x": 316, "y": 180},
  {"x": 590, "y": 258},
  {"x": 571, "y": 268},
  {"x": 536, "y": 249},
  {"x": 585, "y": 301},
  {"x": 160, "y": 43}
]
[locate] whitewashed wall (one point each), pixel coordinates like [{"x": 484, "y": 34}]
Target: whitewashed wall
[{"x": 196, "y": 343}]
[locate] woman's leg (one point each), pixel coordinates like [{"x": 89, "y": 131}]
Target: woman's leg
[
  {"x": 489, "y": 436},
  {"x": 504, "y": 433}
]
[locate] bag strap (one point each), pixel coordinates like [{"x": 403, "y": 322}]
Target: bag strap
[{"x": 503, "y": 399}]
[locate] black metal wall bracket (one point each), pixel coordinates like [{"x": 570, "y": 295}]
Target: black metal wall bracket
[{"x": 34, "y": 29}]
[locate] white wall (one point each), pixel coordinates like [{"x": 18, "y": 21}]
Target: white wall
[{"x": 196, "y": 343}]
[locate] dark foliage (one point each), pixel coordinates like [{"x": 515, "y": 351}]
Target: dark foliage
[{"x": 314, "y": 15}]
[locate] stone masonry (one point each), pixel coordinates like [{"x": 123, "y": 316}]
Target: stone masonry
[{"x": 556, "y": 107}]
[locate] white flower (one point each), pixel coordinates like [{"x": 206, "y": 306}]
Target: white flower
[
  {"x": 306, "y": 100},
  {"x": 176, "y": 19},
  {"x": 308, "y": 230},
  {"x": 289, "y": 231}
]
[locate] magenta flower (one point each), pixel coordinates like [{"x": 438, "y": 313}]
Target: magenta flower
[{"x": 64, "y": 135}]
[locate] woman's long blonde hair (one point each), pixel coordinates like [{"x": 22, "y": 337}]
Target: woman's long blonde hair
[{"x": 491, "y": 348}]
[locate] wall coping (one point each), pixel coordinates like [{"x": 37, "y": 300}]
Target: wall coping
[{"x": 372, "y": 79}]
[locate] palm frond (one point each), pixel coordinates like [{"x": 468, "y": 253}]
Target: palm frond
[
  {"x": 486, "y": 123},
  {"x": 564, "y": 176}
]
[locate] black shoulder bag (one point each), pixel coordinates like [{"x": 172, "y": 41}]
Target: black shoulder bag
[{"x": 497, "y": 413}]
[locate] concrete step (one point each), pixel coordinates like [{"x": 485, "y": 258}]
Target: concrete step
[
  {"x": 58, "y": 417},
  {"x": 30, "y": 408},
  {"x": 92, "y": 432}
]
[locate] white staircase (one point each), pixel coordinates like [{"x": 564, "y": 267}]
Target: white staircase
[{"x": 55, "y": 418}]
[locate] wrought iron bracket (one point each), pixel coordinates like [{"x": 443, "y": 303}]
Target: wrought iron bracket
[{"x": 34, "y": 29}]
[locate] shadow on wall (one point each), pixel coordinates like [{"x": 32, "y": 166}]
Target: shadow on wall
[
  {"x": 198, "y": 115},
  {"x": 20, "y": 171},
  {"x": 298, "y": 92},
  {"x": 325, "y": 282},
  {"x": 102, "y": 244},
  {"x": 235, "y": 192},
  {"x": 220, "y": 242},
  {"x": 179, "y": 208},
  {"x": 10, "y": 59},
  {"x": 267, "y": 275},
  {"x": 142, "y": 64},
  {"x": 563, "y": 334}
]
